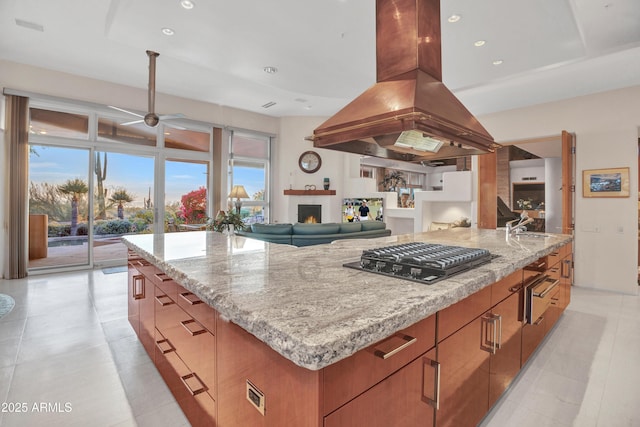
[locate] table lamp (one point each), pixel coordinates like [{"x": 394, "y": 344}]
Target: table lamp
[{"x": 238, "y": 192}]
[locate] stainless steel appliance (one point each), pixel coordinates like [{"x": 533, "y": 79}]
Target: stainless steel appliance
[{"x": 420, "y": 262}]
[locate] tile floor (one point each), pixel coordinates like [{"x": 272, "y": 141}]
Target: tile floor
[{"x": 69, "y": 358}]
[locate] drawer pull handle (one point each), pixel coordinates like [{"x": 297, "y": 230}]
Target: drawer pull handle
[
  {"x": 160, "y": 301},
  {"x": 168, "y": 347},
  {"x": 547, "y": 290},
  {"x": 138, "y": 286},
  {"x": 567, "y": 274},
  {"x": 187, "y": 323},
  {"x": 162, "y": 277},
  {"x": 186, "y": 378},
  {"x": 191, "y": 298},
  {"x": 492, "y": 345},
  {"x": 408, "y": 340},
  {"x": 435, "y": 402}
]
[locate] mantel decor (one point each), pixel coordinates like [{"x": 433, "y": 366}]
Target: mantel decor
[
  {"x": 612, "y": 182},
  {"x": 309, "y": 192}
]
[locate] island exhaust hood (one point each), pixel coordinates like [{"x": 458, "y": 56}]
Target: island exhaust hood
[{"x": 409, "y": 114}]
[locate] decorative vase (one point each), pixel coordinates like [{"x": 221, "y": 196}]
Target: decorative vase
[{"x": 326, "y": 183}]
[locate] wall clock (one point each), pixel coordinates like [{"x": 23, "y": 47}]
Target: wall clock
[{"x": 309, "y": 161}]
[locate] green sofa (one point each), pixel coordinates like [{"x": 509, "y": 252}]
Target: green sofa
[{"x": 314, "y": 234}]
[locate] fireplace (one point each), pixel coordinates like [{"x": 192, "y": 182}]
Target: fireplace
[{"x": 310, "y": 213}]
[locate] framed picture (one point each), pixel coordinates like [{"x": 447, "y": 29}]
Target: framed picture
[{"x": 605, "y": 182}]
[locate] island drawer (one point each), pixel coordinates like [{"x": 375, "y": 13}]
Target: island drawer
[
  {"x": 197, "y": 308},
  {"x": 505, "y": 287},
  {"x": 454, "y": 317},
  {"x": 188, "y": 338},
  {"x": 189, "y": 390},
  {"x": 352, "y": 376}
]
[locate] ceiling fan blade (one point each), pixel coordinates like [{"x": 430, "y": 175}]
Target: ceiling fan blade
[
  {"x": 171, "y": 116},
  {"x": 126, "y": 111},
  {"x": 134, "y": 122}
]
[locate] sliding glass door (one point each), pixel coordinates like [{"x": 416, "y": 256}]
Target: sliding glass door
[
  {"x": 58, "y": 207},
  {"x": 185, "y": 194},
  {"x": 123, "y": 203}
]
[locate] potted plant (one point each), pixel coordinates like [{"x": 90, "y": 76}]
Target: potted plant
[{"x": 226, "y": 222}]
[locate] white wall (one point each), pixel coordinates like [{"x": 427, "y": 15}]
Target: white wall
[
  {"x": 336, "y": 166},
  {"x": 606, "y": 129}
]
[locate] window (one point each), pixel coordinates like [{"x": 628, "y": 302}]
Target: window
[
  {"x": 57, "y": 123},
  {"x": 115, "y": 130},
  {"x": 248, "y": 166},
  {"x": 106, "y": 176}
]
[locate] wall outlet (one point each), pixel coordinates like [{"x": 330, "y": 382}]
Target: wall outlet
[{"x": 255, "y": 397}]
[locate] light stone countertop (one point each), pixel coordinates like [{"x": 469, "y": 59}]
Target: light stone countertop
[{"x": 305, "y": 304}]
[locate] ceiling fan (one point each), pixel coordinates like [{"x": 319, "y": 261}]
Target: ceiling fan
[{"x": 150, "y": 119}]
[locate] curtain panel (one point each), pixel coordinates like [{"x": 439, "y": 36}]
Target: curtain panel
[{"x": 17, "y": 140}]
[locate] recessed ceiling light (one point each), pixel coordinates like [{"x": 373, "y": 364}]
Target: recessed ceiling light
[
  {"x": 168, "y": 31},
  {"x": 187, "y": 4},
  {"x": 270, "y": 70},
  {"x": 497, "y": 62},
  {"x": 479, "y": 43},
  {"x": 454, "y": 18}
]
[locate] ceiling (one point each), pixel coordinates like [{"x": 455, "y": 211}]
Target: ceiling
[{"x": 324, "y": 51}]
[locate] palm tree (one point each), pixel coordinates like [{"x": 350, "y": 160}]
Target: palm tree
[
  {"x": 121, "y": 196},
  {"x": 75, "y": 188}
]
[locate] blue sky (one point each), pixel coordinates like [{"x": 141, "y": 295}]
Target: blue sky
[{"x": 134, "y": 173}]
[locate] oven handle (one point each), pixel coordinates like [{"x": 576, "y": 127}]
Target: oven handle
[{"x": 547, "y": 290}]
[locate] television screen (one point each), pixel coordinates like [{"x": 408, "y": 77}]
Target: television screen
[{"x": 362, "y": 209}]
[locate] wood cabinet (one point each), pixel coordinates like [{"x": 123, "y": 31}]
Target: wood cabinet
[
  {"x": 289, "y": 394},
  {"x": 182, "y": 349},
  {"x": 140, "y": 302},
  {"x": 507, "y": 307},
  {"x": 406, "y": 398},
  {"x": 352, "y": 376},
  {"x": 446, "y": 370}
]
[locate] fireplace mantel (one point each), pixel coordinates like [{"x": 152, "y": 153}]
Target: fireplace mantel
[{"x": 309, "y": 192}]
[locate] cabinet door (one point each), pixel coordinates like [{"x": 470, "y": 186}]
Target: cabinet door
[
  {"x": 406, "y": 398},
  {"x": 566, "y": 278},
  {"x": 135, "y": 293},
  {"x": 147, "y": 316},
  {"x": 464, "y": 380},
  {"x": 504, "y": 365},
  {"x": 350, "y": 377},
  {"x": 532, "y": 335}
]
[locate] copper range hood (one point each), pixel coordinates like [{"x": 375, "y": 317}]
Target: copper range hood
[{"x": 409, "y": 114}]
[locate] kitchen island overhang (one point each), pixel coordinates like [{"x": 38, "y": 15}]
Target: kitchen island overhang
[{"x": 310, "y": 309}]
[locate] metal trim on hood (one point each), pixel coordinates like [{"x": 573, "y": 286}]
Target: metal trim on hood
[{"x": 409, "y": 94}]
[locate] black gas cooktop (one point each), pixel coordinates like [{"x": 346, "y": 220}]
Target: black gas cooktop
[{"x": 420, "y": 262}]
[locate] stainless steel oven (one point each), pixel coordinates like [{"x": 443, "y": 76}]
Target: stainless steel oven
[{"x": 538, "y": 297}]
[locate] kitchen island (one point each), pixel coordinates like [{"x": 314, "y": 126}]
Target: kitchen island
[{"x": 287, "y": 326}]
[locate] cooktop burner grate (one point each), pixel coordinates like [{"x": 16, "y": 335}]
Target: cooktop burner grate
[{"x": 420, "y": 262}]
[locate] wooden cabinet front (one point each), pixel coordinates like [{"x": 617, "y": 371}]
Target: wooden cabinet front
[
  {"x": 291, "y": 394},
  {"x": 505, "y": 362},
  {"x": 349, "y": 377},
  {"x": 406, "y": 398},
  {"x": 464, "y": 377}
]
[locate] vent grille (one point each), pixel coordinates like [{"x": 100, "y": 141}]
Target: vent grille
[{"x": 268, "y": 104}]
